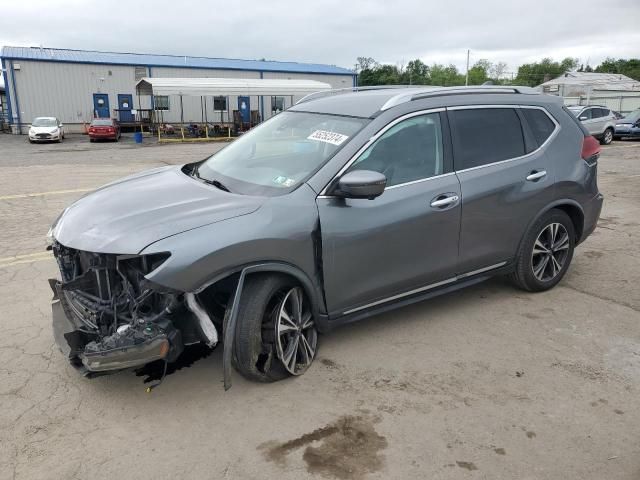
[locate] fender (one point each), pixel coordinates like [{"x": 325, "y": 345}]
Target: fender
[{"x": 555, "y": 203}]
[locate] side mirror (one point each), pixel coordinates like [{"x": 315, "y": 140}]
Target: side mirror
[
  {"x": 583, "y": 118},
  {"x": 61, "y": 125},
  {"x": 361, "y": 184}
]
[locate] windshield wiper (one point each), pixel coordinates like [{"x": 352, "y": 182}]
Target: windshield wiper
[{"x": 215, "y": 183}]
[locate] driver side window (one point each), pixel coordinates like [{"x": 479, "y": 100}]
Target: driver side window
[{"x": 410, "y": 150}]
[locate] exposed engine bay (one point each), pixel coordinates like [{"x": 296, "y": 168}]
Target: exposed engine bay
[{"x": 109, "y": 317}]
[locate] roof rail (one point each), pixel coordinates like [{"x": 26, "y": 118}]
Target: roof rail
[
  {"x": 439, "y": 91},
  {"x": 337, "y": 91}
]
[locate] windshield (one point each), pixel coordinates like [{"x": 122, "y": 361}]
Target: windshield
[
  {"x": 45, "y": 122},
  {"x": 275, "y": 157},
  {"x": 633, "y": 116},
  {"x": 102, "y": 123}
]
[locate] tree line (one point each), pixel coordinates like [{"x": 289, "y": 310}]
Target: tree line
[{"x": 416, "y": 72}]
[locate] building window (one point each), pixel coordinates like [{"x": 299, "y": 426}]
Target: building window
[
  {"x": 141, "y": 72},
  {"x": 220, "y": 103},
  {"x": 161, "y": 102},
  {"x": 277, "y": 104}
]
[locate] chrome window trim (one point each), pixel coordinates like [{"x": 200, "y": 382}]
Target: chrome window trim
[
  {"x": 419, "y": 181},
  {"x": 425, "y": 288},
  {"x": 555, "y": 132},
  {"x": 382, "y": 131}
]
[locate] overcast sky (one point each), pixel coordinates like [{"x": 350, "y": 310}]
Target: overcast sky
[{"x": 334, "y": 31}]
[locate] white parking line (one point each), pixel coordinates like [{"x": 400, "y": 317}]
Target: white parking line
[
  {"x": 27, "y": 258},
  {"x": 22, "y": 257},
  {"x": 42, "y": 194}
]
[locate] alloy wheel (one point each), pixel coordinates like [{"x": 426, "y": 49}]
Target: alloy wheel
[
  {"x": 550, "y": 252},
  {"x": 608, "y": 136},
  {"x": 296, "y": 335}
]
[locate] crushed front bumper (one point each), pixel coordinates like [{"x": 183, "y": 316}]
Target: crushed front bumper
[{"x": 130, "y": 349}]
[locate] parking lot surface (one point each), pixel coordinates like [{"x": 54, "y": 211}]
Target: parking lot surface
[{"x": 488, "y": 382}]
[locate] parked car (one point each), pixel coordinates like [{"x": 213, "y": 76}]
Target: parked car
[
  {"x": 599, "y": 121},
  {"x": 46, "y": 129},
  {"x": 344, "y": 206},
  {"x": 104, "y": 129},
  {"x": 628, "y": 126},
  {"x": 618, "y": 115}
]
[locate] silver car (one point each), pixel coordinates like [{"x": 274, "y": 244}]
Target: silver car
[
  {"x": 599, "y": 121},
  {"x": 346, "y": 205}
]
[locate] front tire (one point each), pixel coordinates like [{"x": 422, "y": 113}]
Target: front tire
[
  {"x": 545, "y": 253},
  {"x": 607, "y": 137},
  {"x": 275, "y": 335}
]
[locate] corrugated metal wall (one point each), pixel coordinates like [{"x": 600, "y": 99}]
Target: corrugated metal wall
[{"x": 66, "y": 90}]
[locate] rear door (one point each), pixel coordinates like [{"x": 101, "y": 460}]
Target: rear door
[
  {"x": 505, "y": 179},
  {"x": 404, "y": 241}
]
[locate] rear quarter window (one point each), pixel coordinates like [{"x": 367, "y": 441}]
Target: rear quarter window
[
  {"x": 540, "y": 124},
  {"x": 485, "y": 135}
]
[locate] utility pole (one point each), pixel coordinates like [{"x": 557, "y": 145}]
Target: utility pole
[{"x": 466, "y": 78}]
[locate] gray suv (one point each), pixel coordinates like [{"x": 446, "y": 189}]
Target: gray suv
[{"x": 344, "y": 206}]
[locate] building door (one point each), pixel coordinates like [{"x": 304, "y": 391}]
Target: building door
[
  {"x": 244, "y": 107},
  {"x": 125, "y": 105},
  {"x": 101, "y": 105}
]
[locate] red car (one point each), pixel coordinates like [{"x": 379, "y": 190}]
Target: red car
[{"x": 104, "y": 128}]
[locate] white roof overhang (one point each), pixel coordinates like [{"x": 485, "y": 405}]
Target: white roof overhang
[{"x": 227, "y": 86}]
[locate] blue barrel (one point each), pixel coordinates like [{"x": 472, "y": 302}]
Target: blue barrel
[{"x": 137, "y": 137}]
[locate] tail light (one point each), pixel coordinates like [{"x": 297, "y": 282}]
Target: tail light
[
  {"x": 590, "y": 150},
  {"x": 110, "y": 129},
  {"x": 91, "y": 129}
]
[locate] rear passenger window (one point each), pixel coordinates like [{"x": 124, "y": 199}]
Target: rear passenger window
[
  {"x": 539, "y": 123},
  {"x": 485, "y": 135},
  {"x": 597, "y": 113}
]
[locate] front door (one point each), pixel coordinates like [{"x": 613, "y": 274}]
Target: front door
[
  {"x": 125, "y": 105},
  {"x": 101, "y": 105},
  {"x": 244, "y": 107},
  {"x": 589, "y": 119},
  {"x": 404, "y": 240},
  {"x": 505, "y": 177}
]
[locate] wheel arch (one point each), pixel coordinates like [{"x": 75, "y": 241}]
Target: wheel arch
[
  {"x": 571, "y": 208},
  {"x": 311, "y": 288}
]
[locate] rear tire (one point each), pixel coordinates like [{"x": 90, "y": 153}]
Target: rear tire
[
  {"x": 545, "y": 253},
  {"x": 257, "y": 351},
  {"x": 607, "y": 137}
]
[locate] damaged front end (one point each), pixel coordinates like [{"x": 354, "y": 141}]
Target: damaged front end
[{"x": 107, "y": 316}]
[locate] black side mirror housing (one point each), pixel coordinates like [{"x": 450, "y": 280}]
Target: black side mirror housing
[{"x": 361, "y": 184}]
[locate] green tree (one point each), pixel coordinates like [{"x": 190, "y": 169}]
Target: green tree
[
  {"x": 416, "y": 73},
  {"x": 479, "y": 72},
  {"x": 630, "y": 68},
  {"x": 533, "y": 74},
  {"x": 445, "y": 76}
]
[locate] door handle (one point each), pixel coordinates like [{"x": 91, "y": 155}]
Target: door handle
[
  {"x": 440, "y": 202},
  {"x": 533, "y": 176}
]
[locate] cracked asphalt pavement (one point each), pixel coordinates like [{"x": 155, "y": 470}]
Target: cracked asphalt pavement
[{"x": 488, "y": 382}]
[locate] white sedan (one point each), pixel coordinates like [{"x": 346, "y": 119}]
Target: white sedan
[{"x": 46, "y": 129}]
